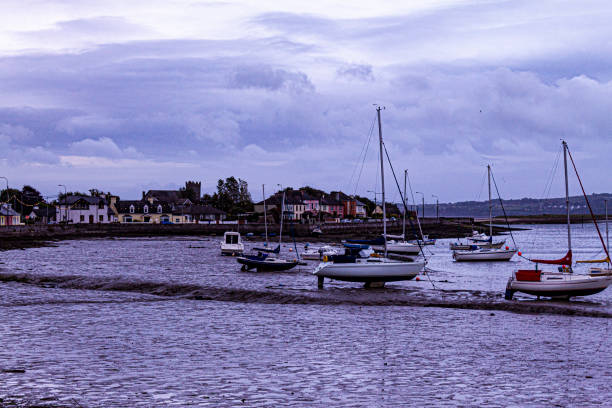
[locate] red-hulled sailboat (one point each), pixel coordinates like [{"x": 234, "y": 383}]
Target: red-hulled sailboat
[{"x": 563, "y": 283}]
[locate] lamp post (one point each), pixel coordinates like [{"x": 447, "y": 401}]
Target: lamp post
[
  {"x": 7, "y": 200},
  {"x": 65, "y": 202},
  {"x": 437, "y": 208},
  {"x": 423, "y": 198}
]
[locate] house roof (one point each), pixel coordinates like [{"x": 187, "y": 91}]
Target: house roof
[
  {"x": 44, "y": 211},
  {"x": 198, "y": 209},
  {"x": 71, "y": 199},
  {"x": 123, "y": 206},
  {"x": 7, "y": 210},
  {"x": 170, "y": 196}
]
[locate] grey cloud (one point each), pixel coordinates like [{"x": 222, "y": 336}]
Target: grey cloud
[
  {"x": 265, "y": 77},
  {"x": 358, "y": 71}
]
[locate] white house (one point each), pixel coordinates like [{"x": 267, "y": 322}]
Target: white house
[{"x": 83, "y": 210}]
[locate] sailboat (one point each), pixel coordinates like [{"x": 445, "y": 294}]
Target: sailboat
[
  {"x": 262, "y": 261},
  {"x": 356, "y": 265},
  {"x": 563, "y": 283},
  {"x": 486, "y": 254}
]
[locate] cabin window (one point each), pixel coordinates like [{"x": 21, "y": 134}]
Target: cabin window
[
  {"x": 145, "y": 209},
  {"x": 131, "y": 209}
]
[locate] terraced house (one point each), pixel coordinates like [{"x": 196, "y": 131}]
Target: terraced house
[{"x": 80, "y": 209}]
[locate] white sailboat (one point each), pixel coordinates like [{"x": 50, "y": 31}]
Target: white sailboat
[
  {"x": 563, "y": 283},
  {"x": 356, "y": 265},
  {"x": 486, "y": 254}
]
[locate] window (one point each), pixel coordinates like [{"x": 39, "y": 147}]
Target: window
[
  {"x": 159, "y": 209},
  {"x": 82, "y": 218},
  {"x": 177, "y": 220},
  {"x": 101, "y": 204},
  {"x": 131, "y": 210},
  {"x": 101, "y": 218},
  {"x": 127, "y": 218},
  {"x": 145, "y": 209}
]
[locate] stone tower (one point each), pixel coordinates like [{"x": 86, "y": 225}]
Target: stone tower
[{"x": 196, "y": 187}]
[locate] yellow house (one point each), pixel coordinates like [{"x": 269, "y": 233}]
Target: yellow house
[
  {"x": 8, "y": 216},
  {"x": 140, "y": 211}
]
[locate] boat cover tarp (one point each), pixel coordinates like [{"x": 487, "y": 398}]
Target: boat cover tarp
[
  {"x": 272, "y": 251},
  {"x": 566, "y": 260},
  {"x": 607, "y": 260}
]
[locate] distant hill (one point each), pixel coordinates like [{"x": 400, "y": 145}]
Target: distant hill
[{"x": 523, "y": 206}]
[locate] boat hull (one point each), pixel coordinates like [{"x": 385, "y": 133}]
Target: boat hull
[
  {"x": 561, "y": 285},
  {"x": 398, "y": 248},
  {"x": 267, "y": 265},
  {"x": 484, "y": 255},
  {"x": 232, "y": 250},
  {"x": 369, "y": 271}
]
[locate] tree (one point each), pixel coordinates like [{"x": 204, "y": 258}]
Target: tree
[{"x": 232, "y": 196}]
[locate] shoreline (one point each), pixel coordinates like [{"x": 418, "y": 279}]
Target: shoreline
[{"x": 32, "y": 236}]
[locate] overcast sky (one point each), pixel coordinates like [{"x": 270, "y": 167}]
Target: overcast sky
[{"x": 131, "y": 95}]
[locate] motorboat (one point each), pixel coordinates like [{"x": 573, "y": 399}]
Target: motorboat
[
  {"x": 316, "y": 254},
  {"x": 562, "y": 283},
  {"x": 358, "y": 265},
  {"x": 232, "y": 244},
  {"x": 484, "y": 254}
]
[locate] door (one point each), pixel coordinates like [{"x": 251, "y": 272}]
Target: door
[{"x": 91, "y": 219}]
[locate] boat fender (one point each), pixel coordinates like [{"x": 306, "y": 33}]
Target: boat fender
[
  {"x": 507, "y": 247},
  {"x": 520, "y": 253},
  {"x": 417, "y": 278},
  {"x": 325, "y": 258},
  {"x": 290, "y": 249}
]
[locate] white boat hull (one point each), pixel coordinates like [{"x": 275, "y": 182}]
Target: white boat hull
[
  {"x": 484, "y": 255},
  {"x": 399, "y": 248},
  {"x": 553, "y": 284},
  {"x": 232, "y": 249},
  {"x": 370, "y": 270}
]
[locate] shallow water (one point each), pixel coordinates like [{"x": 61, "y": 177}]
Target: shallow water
[{"x": 168, "y": 322}]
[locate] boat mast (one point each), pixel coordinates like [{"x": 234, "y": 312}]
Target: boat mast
[
  {"x": 405, "y": 207},
  {"x": 263, "y": 190},
  {"x": 490, "y": 205},
  {"x": 280, "y": 238},
  {"x": 607, "y": 236},
  {"x": 382, "y": 179},
  {"x": 567, "y": 205}
]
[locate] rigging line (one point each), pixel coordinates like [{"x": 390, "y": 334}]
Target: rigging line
[
  {"x": 413, "y": 204},
  {"x": 405, "y": 207},
  {"x": 503, "y": 209},
  {"x": 484, "y": 177},
  {"x": 589, "y": 205},
  {"x": 363, "y": 148},
  {"x": 364, "y": 158}
]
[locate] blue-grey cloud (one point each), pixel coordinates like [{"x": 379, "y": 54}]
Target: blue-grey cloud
[{"x": 361, "y": 72}]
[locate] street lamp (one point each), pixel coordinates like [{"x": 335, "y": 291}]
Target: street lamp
[
  {"x": 437, "y": 208},
  {"x": 423, "y": 197},
  {"x": 7, "y": 200},
  {"x": 65, "y": 203}
]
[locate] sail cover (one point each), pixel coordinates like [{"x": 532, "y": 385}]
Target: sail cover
[{"x": 566, "y": 260}]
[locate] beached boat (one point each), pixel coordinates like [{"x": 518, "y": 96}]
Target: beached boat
[
  {"x": 357, "y": 264},
  {"x": 486, "y": 250},
  {"x": 232, "y": 244},
  {"x": 562, "y": 283},
  {"x": 262, "y": 261},
  {"x": 484, "y": 255},
  {"x": 316, "y": 254}
]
